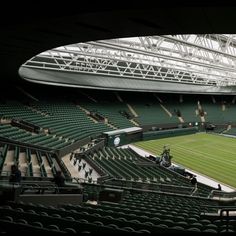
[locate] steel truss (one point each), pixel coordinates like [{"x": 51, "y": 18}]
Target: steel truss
[{"x": 198, "y": 59}]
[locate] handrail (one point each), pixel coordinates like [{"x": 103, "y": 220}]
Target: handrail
[
  {"x": 167, "y": 188},
  {"x": 40, "y": 188},
  {"x": 103, "y": 185},
  {"x": 65, "y": 169},
  {"x": 222, "y": 194},
  {"x": 227, "y": 210},
  {"x": 26, "y": 145},
  {"x": 98, "y": 167},
  {"x": 220, "y": 207},
  {"x": 23, "y": 174}
]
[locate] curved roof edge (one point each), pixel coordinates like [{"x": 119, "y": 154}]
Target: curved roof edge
[{"x": 74, "y": 79}]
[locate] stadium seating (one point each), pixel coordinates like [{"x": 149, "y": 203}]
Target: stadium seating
[
  {"x": 138, "y": 211},
  {"x": 32, "y": 163},
  {"x": 68, "y": 123},
  {"x": 214, "y": 112},
  {"x": 124, "y": 164},
  {"x": 155, "y": 199},
  {"x": 149, "y": 111},
  {"x": 111, "y": 111}
]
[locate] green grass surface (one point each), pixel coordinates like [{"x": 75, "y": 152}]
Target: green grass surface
[{"x": 211, "y": 155}]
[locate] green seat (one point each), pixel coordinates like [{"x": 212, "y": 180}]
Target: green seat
[
  {"x": 37, "y": 224},
  {"x": 129, "y": 229},
  {"x": 211, "y": 226},
  {"x": 7, "y": 218},
  {"x": 144, "y": 231},
  {"x": 227, "y": 231},
  {"x": 210, "y": 231},
  {"x": 197, "y": 225},
  {"x": 182, "y": 224},
  {"x": 163, "y": 226},
  {"x": 192, "y": 220},
  {"x": 193, "y": 229},
  {"x": 70, "y": 230},
  {"x": 177, "y": 228}
]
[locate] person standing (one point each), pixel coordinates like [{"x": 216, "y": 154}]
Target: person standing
[
  {"x": 194, "y": 181},
  {"x": 15, "y": 176},
  {"x": 59, "y": 181}
]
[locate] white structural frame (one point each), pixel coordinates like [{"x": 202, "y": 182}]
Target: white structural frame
[{"x": 208, "y": 59}]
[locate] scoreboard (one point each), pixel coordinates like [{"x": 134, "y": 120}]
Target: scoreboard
[{"x": 121, "y": 137}]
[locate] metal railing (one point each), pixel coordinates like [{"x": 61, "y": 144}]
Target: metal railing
[
  {"x": 165, "y": 188},
  {"x": 221, "y": 195},
  {"x": 226, "y": 216}
]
